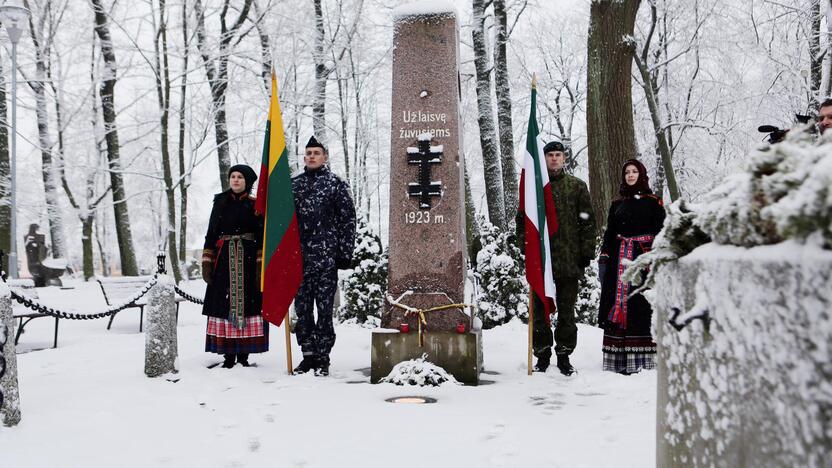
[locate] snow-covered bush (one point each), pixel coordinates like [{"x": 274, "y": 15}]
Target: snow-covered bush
[
  {"x": 784, "y": 194},
  {"x": 589, "y": 296},
  {"x": 419, "y": 372},
  {"x": 366, "y": 283},
  {"x": 503, "y": 291}
]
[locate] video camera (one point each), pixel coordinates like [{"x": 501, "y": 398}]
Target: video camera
[{"x": 776, "y": 134}]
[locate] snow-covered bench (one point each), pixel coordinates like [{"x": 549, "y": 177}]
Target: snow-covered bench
[
  {"x": 26, "y": 287},
  {"x": 118, "y": 289}
]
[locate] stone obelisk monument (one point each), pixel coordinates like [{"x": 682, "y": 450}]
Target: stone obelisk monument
[{"x": 427, "y": 248}]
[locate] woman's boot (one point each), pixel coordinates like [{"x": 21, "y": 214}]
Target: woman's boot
[{"x": 229, "y": 361}]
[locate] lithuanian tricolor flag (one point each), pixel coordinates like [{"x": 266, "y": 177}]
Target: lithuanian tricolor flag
[{"x": 282, "y": 268}]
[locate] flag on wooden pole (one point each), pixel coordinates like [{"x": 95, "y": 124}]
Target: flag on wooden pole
[
  {"x": 538, "y": 208},
  {"x": 282, "y": 268}
]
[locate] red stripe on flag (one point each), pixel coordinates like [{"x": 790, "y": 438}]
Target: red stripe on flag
[
  {"x": 283, "y": 275},
  {"x": 262, "y": 191},
  {"x": 535, "y": 269}
]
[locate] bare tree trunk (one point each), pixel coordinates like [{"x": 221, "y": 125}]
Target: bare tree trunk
[
  {"x": 502, "y": 87},
  {"x": 344, "y": 114},
  {"x": 815, "y": 56},
  {"x": 184, "y": 183},
  {"x": 610, "y": 130},
  {"x": 472, "y": 227},
  {"x": 658, "y": 182},
  {"x": 163, "y": 96},
  {"x": 827, "y": 89},
  {"x": 321, "y": 72},
  {"x": 50, "y": 186},
  {"x": 5, "y": 172},
  {"x": 108, "y": 108},
  {"x": 651, "y": 93},
  {"x": 86, "y": 247},
  {"x": 488, "y": 138},
  {"x": 216, "y": 70},
  {"x": 265, "y": 47},
  {"x": 100, "y": 238}
]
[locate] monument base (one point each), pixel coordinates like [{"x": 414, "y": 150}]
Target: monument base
[{"x": 460, "y": 354}]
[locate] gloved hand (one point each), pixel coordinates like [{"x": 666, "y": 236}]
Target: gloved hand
[
  {"x": 207, "y": 271},
  {"x": 343, "y": 263}
]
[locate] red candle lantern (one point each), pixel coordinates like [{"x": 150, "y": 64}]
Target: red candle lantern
[
  {"x": 460, "y": 328},
  {"x": 404, "y": 328}
]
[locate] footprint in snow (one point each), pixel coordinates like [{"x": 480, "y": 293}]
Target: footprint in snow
[
  {"x": 550, "y": 402},
  {"x": 495, "y": 432},
  {"x": 254, "y": 444}
]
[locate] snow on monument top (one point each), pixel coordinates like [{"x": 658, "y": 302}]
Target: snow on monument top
[{"x": 425, "y": 8}]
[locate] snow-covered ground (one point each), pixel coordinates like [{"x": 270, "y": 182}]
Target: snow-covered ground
[{"x": 89, "y": 404}]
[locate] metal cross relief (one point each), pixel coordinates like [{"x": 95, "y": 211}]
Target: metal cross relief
[{"x": 424, "y": 156}]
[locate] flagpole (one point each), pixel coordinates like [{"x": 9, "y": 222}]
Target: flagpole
[
  {"x": 531, "y": 292},
  {"x": 288, "y": 344},
  {"x": 531, "y": 325}
]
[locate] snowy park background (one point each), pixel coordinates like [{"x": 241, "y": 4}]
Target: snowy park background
[{"x": 722, "y": 69}]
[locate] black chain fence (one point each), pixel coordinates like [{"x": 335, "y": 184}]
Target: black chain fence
[
  {"x": 187, "y": 296},
  {"x": 130, "y": 302},
  {"x": 46, "y": 310}
]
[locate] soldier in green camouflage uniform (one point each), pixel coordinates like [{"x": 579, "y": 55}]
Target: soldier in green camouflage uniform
[{"x": 573, "y": 246}]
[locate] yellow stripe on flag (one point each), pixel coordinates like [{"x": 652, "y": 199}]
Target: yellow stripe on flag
[{"x": 277, "y": 141}]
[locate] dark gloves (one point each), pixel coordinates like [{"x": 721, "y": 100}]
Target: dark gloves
[
  {"x": 343, "y": 263},
  {"x": 602, "y": 266},
  {"x": 207, "y": 271}
]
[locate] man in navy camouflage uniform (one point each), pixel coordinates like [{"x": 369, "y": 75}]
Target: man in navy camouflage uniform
[{"x": 326, "y": 217}]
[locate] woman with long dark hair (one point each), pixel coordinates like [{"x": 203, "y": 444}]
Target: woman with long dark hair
[
  {"x": 231, "y": 267},
  {"x": 634, "y": 219}
]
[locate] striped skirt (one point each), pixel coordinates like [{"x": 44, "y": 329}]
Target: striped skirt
[
  {"x": 222, "y": 337},
  {"x": 627, "y": 353}
]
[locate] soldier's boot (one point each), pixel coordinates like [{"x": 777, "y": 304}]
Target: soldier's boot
[
  {"x": 242, "y": 358},
  {"x": 229, "y": 362},
  {"x": 307, "y": 364},
  {"x": 564, "y": 366},
  {"x": 543, "y": 362},
  {"x": 323, "y": 367}
]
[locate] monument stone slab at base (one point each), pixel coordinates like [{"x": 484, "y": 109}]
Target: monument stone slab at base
[{"x": 460, "y": 354}]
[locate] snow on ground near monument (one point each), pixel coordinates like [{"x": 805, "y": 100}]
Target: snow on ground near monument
[{"x": 88, "y": 403}]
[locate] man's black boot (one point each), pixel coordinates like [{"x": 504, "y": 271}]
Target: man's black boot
[
  {"x": 543, "y": 362},
  {"x": 228, "y": 363},
  {"x": 243, "y": 359},
  {"x": 564, "y": 366},
  {"x": 323, "y": 367},
  {"x": 307, "y": 364}
]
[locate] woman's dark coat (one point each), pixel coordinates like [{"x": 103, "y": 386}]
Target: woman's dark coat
[
  {"x": 633, "y": 216},
  {"x": 233, "y": 214}
]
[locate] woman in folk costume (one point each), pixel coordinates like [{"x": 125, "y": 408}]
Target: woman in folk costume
[
  {"x": 231, "y": 267},
  {"x": 635, "y": 217}
]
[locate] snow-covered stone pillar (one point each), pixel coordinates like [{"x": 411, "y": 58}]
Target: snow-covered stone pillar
[
  {"x": 752, "y": 388},
  {"x": 9, "y": 394},
  {"x": 160, "y": 353}
]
